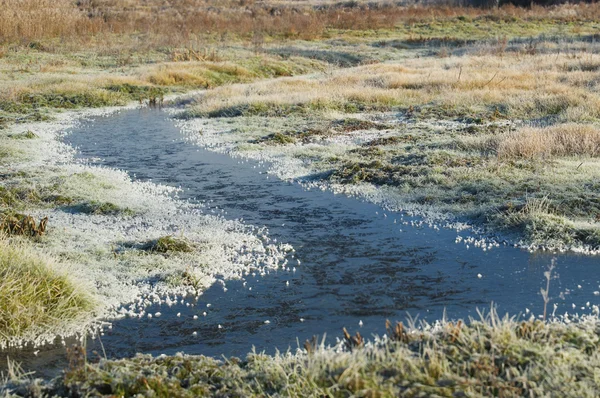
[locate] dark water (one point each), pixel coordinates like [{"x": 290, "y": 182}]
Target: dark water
[{"x": 356, "y": 263}]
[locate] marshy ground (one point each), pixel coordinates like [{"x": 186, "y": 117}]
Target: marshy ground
[
  {"x": 482, "y": 116},
  {"x": 504, "y": 139}
]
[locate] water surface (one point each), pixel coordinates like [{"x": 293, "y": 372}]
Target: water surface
[{"x": 357, "y": 262}]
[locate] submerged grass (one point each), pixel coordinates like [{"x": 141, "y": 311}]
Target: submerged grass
[
  {"x": 486, "y": 357},
  {"x": 34, "y": 295}
]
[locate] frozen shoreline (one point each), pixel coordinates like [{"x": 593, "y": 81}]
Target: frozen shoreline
[
  {"x": 102, "y": 251},
  {"x": 293, "y": 163}
]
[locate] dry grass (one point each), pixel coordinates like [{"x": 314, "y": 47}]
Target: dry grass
[
  {"x": 561, "y": 140},
  {"x": 490, "y": 87},
  {"x": 29, "y": 95},
  {"x": 176, "y": 22},
  {"x": 34, "y": 296},
  {"x": 30, "y": 20}
]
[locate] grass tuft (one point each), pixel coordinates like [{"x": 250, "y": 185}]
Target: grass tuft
[
  {"x": 22, "y": 224},
  {"x": 169, "y": 244},
  {"x": 27, "y": 135},
  {"x": 561, "y": 140},
  {"x": 540, "y": 225},
  {"x": 33, "y": 295},
  {"x": 102, "y": 208}
]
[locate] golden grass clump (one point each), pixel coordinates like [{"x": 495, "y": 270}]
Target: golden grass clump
[
  {"x": 34, "y": 295},
  {"x": 561, "y": 140},
  {"x": 21, "y": 224}
]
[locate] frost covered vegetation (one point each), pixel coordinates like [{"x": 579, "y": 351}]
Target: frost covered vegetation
[
  {"x": 35, "y": 294},
  {"x": 109, "y": 241},
  {"x": 506, "y": 139},
  {"x": 487, "y": 357}
]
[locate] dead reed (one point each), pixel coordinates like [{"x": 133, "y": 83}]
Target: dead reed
[
  {"x": 561, "y": 140},
  {"x": 83, "y": 22}
]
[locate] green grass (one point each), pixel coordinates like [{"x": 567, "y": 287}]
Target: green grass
[
  {"x": 170, "y": 244},
  {"x": 272, "y": 109},
  {"x": 18, "y": 197},
  {"x": 34, "y": 296},
  {"x": 27, "y": 135},
  {"x": 487, "y": 357},
  {"x": 542, "y": 225},
  {"x": 102, "y": 208}
]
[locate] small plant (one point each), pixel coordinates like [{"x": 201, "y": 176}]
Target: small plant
[
  {"x": 396, "y": 333},
  {"x": 170, "y": 243},
  {"x": 189, "y": 278},
  {"x": 353, "y": 342},
  {"x": 29, "y": 135},
  {"x": 545, "y": 292},
  {"x": 102, "y": 208},
  {"x": 21, "y": 224}
]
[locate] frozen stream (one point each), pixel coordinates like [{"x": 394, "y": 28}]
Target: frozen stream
[{"x": 356, "y": 263}]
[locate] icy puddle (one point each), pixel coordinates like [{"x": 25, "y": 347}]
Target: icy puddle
[{"x": 355, "y": 264}]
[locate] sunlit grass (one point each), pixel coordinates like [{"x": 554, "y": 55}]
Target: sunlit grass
[
  {"x": 480, "y": 87},
  {"x": 561, "y": 140},
  {"x": 35, "y": 295}
]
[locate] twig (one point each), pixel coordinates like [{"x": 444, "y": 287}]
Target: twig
[
  {"x": 501, "y": 80},
  {"x": 548, "y": 275},
  {"x": 495, "y": 74}
]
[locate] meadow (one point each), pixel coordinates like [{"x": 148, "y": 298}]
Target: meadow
[{"x": 488, "y": 116}]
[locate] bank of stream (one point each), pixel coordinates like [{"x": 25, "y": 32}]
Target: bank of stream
[{"x": 355, "y": 264}]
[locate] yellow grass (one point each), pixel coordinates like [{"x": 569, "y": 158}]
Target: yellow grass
[
  {"x": 511, "y": 86},
  {"x": 561, "y": 140}
]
